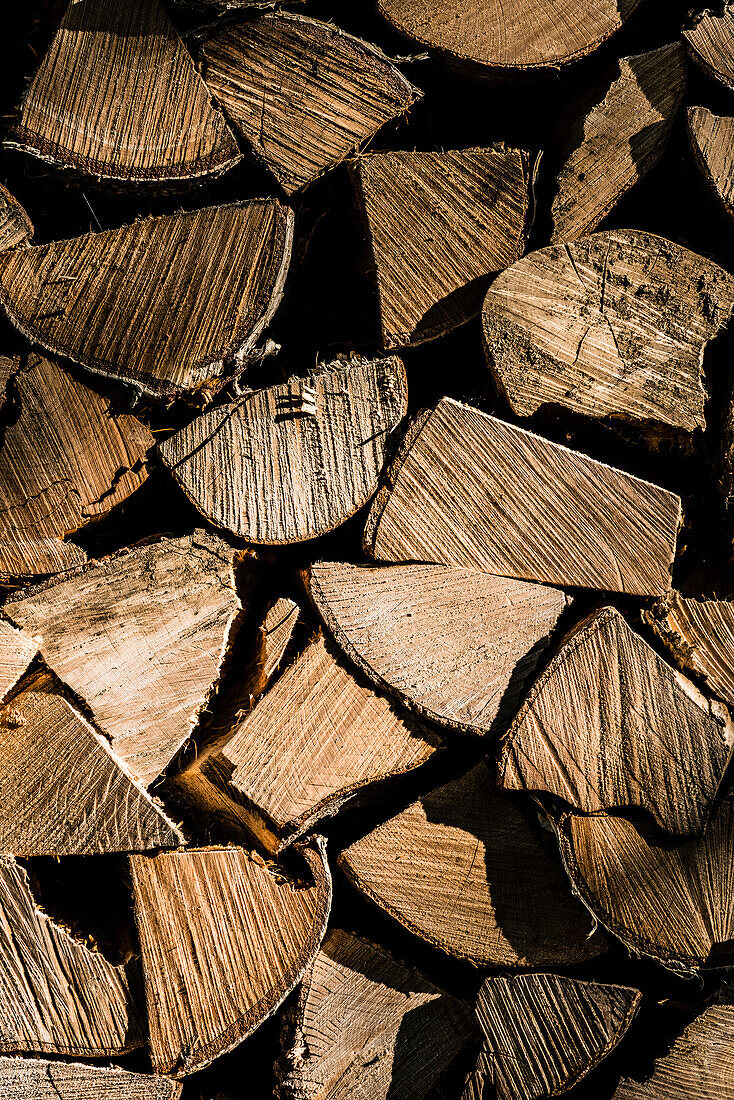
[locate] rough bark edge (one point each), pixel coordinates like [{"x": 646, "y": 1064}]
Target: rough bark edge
[{"x": 702, "y": 166}]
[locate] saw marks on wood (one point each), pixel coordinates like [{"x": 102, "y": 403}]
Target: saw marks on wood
[
  {"x": 303, "y": 93},
  {"x": 623, "y": 137},
  {"x": 58, "y": 997},
  {"x": 711, "y": 42},
  {"x": 117, "y": 97},
  {"x": 161, "y": 303},
  {"x": 17, "y": 650},
  {"x": 439, "y": 224},
  {"x": 291, "y": 462},
  {"x": 228, "y": 937},
  {"x": 700, "y": 635},
  {"x": 15, "y": 225},
  {"x": 140, "y": 637},
  {"x": 66, "y": 460},
  {"x": 31, "y": 1079},
  {"x": 615, "y": 324},
  {"x": 465, "y": 871},
  {"x": 712, "y": 142},
  {"x": 469, "y": 490},
  {"x": 365, "y": 1026},
  {"x": 276, "y": 632},
  {"x": 455, "y": 645}
]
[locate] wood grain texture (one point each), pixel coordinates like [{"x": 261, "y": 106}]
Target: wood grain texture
[
  {"x": 674, "y": 904},
  {"x": 700, "y": 636},
  {"x": 141, "y": 638},
  {"x": 229, "y": 937},
  {"x": 66, "y": 460},
  {"x": 464, "y": 870},
  {"x": 17, "y": 650},
  {"x": 710, "y": 42},
  {"x": 15, "y": 226},
  {"x": 312, "y": 744},
  {"x": 609, "y": 725},
  {"x": 303, "y": 93},
  {"x": 439, "y": 224},
  {"x": 712, "y": 141},
  {"x": 623, "y": 137},
  {"x": 277, "y": 629},
  {"x": 32, "y": 1079},
  {"x": 455, "y": 645},
  {"x": 615, "y": 324},
  {"x": 366, "y": 1027},
  {"x": 117, "y": 97},
  {"x": 170, "y": 304},
  {"x": 469, "y": 490},
  {"x": 58, "y": 997},
  {"x": 294, "y": 461}
]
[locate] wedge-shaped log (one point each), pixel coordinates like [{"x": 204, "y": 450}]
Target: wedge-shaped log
[
  {"x": 276, "y": 633},
  {"x": 171, "y": 304},
  {"x": 467, "y": 489},
  {"x": 314, "y": 742},
  {"x": 17, "y": 650},
  {"x": 65, "y": 461},
  {"x": 712, "y": 142},
  {"x": 439, "y": 225},
  {"x": 623, "y": 137},
  {"x": 141, "y": 638},
  {"x": 609, "y": 725},
  {"x": 710, "y": 42},
  {"x": 291, "y": 462},
  {"x": 227, "y": 934},
  {"x": 700, "y": 636},
  {"x": 15, "y": 225},
  {"x": 464, "y": 870},
  {"x": 117, "y": 98},
  {"x": 58, "y": 997},
  {"x": 303, "y": 93},
  {"x": 455, "y": 645},
  {"x": 365, "y": 1025},
  {"x": 32, "y": 1079},
  {"x": 615, "y": 324}
]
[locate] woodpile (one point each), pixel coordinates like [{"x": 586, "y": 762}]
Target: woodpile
[{"x": 367, "y": 550}]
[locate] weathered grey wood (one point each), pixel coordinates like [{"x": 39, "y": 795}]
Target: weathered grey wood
[
  {"x": 700, "y": 636},
  {"x": 712, "y": 141},
  {"x": 710, "y": 41},
  {"x": 32, "y": 1079},
  {"x": 15, "y": 226}
]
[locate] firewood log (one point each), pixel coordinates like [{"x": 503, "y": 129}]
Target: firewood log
[
  {"x": 17, "y": 650},
  {"x": 700, "y": 637},
  {"x": 277, "y": 629},
  {"x": 15, "y": 225},
  {"x": 710, "y": 42},
  {"x": 712, "y": 141},
  {"x": 32, "y": 1079}
]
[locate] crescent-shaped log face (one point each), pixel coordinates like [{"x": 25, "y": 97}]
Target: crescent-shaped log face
[
  {"x": 710, "y": 40},
  {"x": 712, "y": 142}
]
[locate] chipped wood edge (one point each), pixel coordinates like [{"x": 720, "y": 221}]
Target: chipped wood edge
[
  {"x": 684, "y": 654},
  {"x": 703, "y": 167}
]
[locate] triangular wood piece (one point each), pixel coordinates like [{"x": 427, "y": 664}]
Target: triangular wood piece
[
  {"x": 117, "y": 97},
  {"x": 439, "y": 225},
  {"x": 303, "y": 93},
  {"x": 675, "y": 904},
  {"x": 66, "y": 460},
  {"x": 711, "y": 43},
  {"x": 164, "y": 303},
  {"x": 312, "y": 744},
  {"x": 623, "y": 137},
  {"x": 465, "y": 871},
  {"x": 58, "y": 996},
  {"x": 365, "y": 1025},
  {"x": 712, "y": 142},
  {"x": 291, "y": 462},
  {"x": 700, "y": 636},
  {"x": 31, "y": 1079},
  {"x": 228, "y": 935},
  {"x": 517, "y": 505},
  {"x": 277, "y": 629},
  {"x": 455, "y": 645},
  {"x": 615, "y": 324},
  {"x": 15, "y": 225},
  {"x": 17, "y": 650},
  {"x": 609, "y": 725},
  {"x": 141, "y": 638}
]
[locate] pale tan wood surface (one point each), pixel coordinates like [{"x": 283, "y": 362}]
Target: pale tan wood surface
[
  {"x": 700, "y": 636},
  {"x": 33, "y": 1079},
  {"x": 712, "y": 141},
  {"x": 17, "y": 650},
  {"x": 15, "y": 226},
  {"x": 710, "y": 41},
  {"x": 277, "y": 629}
]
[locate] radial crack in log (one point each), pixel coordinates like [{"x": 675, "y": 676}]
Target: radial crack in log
[
  {"x": 365, "y": 1025},
  {"x": 712, "y": 142},
  {"x": 711, "y": 43},
  {"x": 615, "y": 324},
  {"x": 439, "y": 224},
  {"x": 469, "y": 490},
  {"x": 303, "y": 93},
  {"x": 291, "y": 462},
  {"x": 117, "y": 98},
  {"x": 31, "y": 1079},
  {"x": 700, "y": 636},
  {"x": 230, "y": 936},
  {"x": 164, "y": 303},
  {"x": 17, "y": 650},
  {"x": 15, "y": 225},
  {"x": 455, "y": 645},
  {"x": 141, "y": 638},
  {"x": 464, "y": 871}
]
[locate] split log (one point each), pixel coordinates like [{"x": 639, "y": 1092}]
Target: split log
[
  {"x": 276, "y": 633},
  {"x": 609, "y": 725},
  {"x": 58, "y": 996},
  {"x": 170, "y": 304},
  {"x": 141, "y": 637},
  {"x": 17, "y": 651},
  {"x": 700, "y": 636},
  {"x": 439, "y": 224},
  {"x": 117, "y": 98},
  {"x": 365, "y": 1025},
  {"x": 711, "y": 43},
  {"x": 623, "y": 137},
  {"x": 15, "y": 225},
  {"x": 464, "y": 870},
  {"x": 65, "y": 461},
  {"x": 455, "y": 645},
  {"x": 674, "y": 904},
  {"x": 230, "y": 936},
  {"x": 291, "y": 462},
  {"x": 31, "y": 1079},
  {"x": 712, "y": 142},
  {"x": 313, "y": 743},
  {"x": 467, "y": 489},
  {"x": 303, "y": 93},
  {"x": 543, "y": 1033},
  {"x": 615, "y": 324}
]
